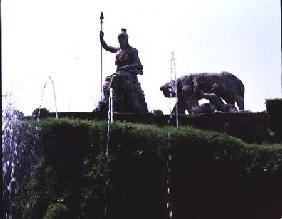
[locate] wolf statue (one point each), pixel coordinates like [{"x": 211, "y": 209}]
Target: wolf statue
[{"x": 215, "y": 87}]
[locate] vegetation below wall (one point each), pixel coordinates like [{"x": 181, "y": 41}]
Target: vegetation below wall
[
  {"x": 274, "y": 109},
  {"x": 212, "y": 175}
]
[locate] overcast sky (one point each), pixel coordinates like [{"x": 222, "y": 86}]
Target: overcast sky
[{"x": 60, "y": 38}]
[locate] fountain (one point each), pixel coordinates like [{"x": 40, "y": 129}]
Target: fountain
[
  {"x": 88, "y": 165},
  {"x": 18, "y": 151},
  {"x": 168, "y": 153},
  {"x": 110, "y": 119},
  {"x": 10, "y": 157},
  {"x": 42, "y": 95},
  {"x": 173, "y": 81},
  {"x": 18, "y": 156},
  {"x": 169, "y": 205}
]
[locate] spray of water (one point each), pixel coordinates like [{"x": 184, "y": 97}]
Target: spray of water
[
  {"x": 173, "y": 80},
  {"x": 55, "y": 99},
  {"x": 10, "y": 159},
  {"x": 18, "y": 155},
  {"x": 110, "y": 121},
  {"x": 169, "y": 158},
  {"x": 42, "y": 95},
  {"x": 169, "y": 205}
]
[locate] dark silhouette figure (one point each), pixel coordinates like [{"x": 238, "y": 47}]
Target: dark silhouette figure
[
  {"x": 214, "y": 87},
  {"x": 128, "y": 96}
]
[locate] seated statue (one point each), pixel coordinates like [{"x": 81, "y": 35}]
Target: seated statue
[
  {"x": 214, "y": 87},
  {"x": 128, "y": 97}
]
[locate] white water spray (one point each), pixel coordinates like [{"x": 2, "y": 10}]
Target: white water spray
[
  {"x": 173, "y": 80},
  {"x": 19, "y": 154},
  {"x": 55, "y": 99},
  {"x": 42, "y": 95},
  {"x": 10, "y": 120},
  {"x": 169, "y": 158},
  {"x": 168, "y": 178},
  {"x": 110, "y": 119}
]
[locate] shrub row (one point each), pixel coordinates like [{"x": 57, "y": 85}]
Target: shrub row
[{"x": 209, "y": 172}]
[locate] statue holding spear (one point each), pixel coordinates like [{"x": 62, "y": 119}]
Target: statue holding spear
[{"x": 128, "y": 95}]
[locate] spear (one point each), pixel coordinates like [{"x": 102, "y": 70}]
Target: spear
[
  {"x": 101, "y": 21},
  {"x": 1, "y": 155}
]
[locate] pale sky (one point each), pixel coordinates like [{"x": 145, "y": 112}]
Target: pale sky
[{"x": 60, "y": 38}]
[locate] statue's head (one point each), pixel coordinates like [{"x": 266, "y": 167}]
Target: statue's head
[
  {"x": 169, "y": 89},
  {"x": 123, "y": 38}
]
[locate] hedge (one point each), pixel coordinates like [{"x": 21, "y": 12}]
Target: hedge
[{"x": 212, "y": 175}]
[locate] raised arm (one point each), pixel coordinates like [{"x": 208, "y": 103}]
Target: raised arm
[{"x": 104, "y": 44}]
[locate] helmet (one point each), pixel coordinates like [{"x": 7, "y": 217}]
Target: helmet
[{"x": 123, "y": 34}]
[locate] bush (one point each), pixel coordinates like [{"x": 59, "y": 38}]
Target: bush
[
  {"x": 211, "y": 173},
  {"x": 158, "y": 112},
  {"x": 57, "y": 211},
  {"x": 274, "y": 108},
  {"x": 40, "y": 113}
]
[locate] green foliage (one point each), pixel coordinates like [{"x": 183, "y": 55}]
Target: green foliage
[
  {"x": 274, "y": 105},
  {"x": 264, "y": 158},
  {"x": 73, "y": 175},
  {"x": 57, "y": 211},
  {"x": 274, "y": 109},
  {"x": 40, "y": 112}
]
